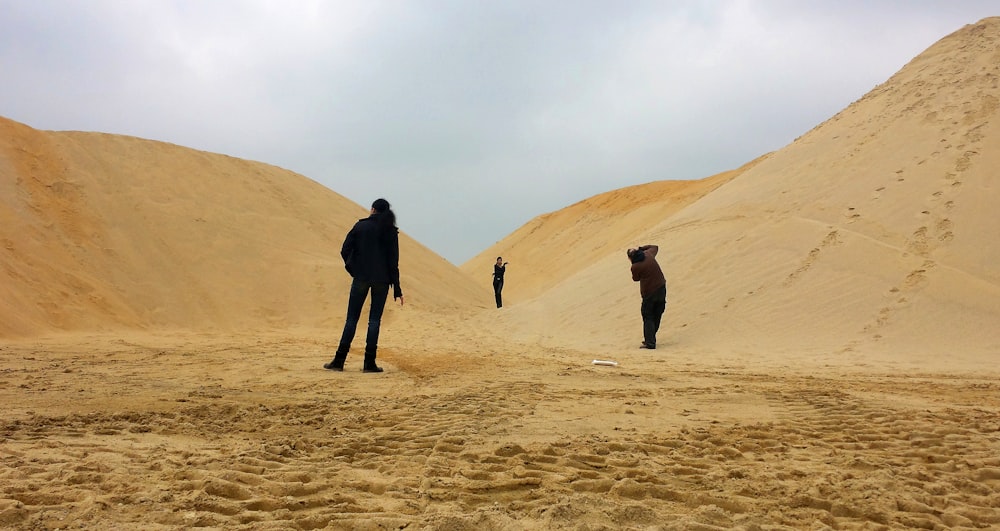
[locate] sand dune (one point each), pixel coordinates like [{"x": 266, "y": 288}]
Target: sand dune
[
  {"x": 873, "y": 232},
  {"x": 104, "y": 232},
  {"x": 828, "y": 359}
]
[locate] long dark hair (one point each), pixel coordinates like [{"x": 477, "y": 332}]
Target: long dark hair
[{"x": 386, "y": 217}]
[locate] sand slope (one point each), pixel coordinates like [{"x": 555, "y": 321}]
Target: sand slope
[{"x": 104, "y": 232}]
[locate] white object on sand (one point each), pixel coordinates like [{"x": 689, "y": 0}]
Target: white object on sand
[{"x": 606, "y": 362}]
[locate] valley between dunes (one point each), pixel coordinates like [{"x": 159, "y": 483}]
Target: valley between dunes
[{"x": 828, "y": 358}]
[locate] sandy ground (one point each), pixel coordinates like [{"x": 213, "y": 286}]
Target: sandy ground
[{"x": 177, "y": 431}]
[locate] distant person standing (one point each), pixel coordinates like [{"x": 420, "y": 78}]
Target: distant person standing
[
  {"x": 499, "y": 269},
  {"x": 653, "y": 288},
  {"x": 371, "y": 256}
]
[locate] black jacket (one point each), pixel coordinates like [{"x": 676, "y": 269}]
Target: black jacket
[
  {"x": 498, "y": 272},
  {"x": 371, "y": 253}
]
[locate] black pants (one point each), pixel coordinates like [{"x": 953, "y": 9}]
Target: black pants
[
  {"x": 652, "y": 310},
  {"x": 497, "y": 288},
  {"x": 359, "y": 292}
]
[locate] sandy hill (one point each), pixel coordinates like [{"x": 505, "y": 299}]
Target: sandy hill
[
  {"x": 876, "y": 232},
  {"x": 101, "y": 232}
]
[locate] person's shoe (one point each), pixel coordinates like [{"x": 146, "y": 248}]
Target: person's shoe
[
  {"x": 331, "y": 366},
  {"x": 647, "y": 345},
  {"x": 373, "y": 368}
]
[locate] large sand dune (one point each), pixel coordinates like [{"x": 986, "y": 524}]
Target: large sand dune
[
  {"x": 104, "y": 232},
  {"x": 875, "y": 231},
  {"x": 828, "y": 358}
]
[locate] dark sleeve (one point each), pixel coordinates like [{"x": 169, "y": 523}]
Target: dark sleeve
[
  {"x": 650, "y": 250},
  {"x": 635, "y": 272},
  {"x": 347, "y": 250},
  {"x": 393, "y": 265}
]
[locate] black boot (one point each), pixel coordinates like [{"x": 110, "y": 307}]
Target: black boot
[
  {"x": 337, "y": 363},
  {"x": 370, "y": 362}
]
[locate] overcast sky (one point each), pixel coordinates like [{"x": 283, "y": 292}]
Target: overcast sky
[{"x": 470, "y": 116}]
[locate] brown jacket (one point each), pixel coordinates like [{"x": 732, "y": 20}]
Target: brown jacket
[{"x": 647, "y": 272}]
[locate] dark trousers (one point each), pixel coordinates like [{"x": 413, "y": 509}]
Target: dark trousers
[
  {"x": 652, "y": 310},
  {"x": 497, "y": 288},
  {"x": 359, "y": 292}
]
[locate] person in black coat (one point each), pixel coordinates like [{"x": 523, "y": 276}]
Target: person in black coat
[
  {"x": 371, "y": 256},
  {"x": 499, "y": 269}
]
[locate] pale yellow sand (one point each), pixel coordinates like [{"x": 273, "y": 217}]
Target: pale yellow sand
[{"x": 829, "y": 356}]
